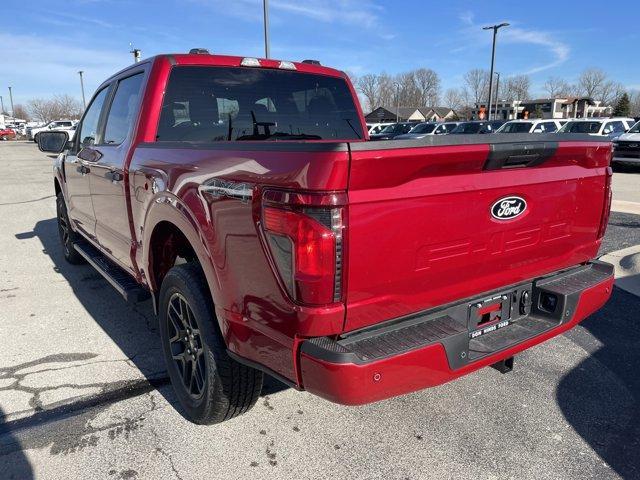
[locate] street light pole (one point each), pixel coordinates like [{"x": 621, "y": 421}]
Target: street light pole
[
  {"x": 495, "y": 110},
  {"x": 11, "y": 100},
  {"x": 265, "y": 8},
  {"x": 84, "y": 102},
  {"x": 1, "y": 104},
  {"x": 397, "y": 85},
  {"x": 495, "y": 29}
]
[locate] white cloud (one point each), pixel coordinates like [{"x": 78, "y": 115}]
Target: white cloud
[{"x": 471, "y": 36}]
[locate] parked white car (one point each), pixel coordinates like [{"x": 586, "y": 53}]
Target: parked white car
[
  {"x": 605, "y": 127},
  {"x": 32, "y": 133},
  {"x": 531, "y": 126},
  {"x": 375, "y": 128},
  {"x": 626, "y": 148}
]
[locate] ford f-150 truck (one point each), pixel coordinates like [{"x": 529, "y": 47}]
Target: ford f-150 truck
[{"x": 243, "y": 197}]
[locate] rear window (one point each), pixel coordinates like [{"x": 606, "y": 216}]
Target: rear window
[
  {"x": 516, "y": 127},
  {"x": 423, "y": 128},
  {"x": 210, "y": 104},
  {"x": 581, "y": 127},
  {"x": 467, "y": 128}
]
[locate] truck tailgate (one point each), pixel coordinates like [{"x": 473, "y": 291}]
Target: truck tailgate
[{"x": 421, "y": 231}]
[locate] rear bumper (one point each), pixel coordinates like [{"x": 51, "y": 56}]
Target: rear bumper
[
  {"x": 635, "y": 160},
  {"x": 438, "y": 346}
]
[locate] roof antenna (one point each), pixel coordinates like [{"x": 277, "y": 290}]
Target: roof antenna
[{"x": 136, "y": 53}]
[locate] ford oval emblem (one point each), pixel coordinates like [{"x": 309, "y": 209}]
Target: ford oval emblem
[{"x": 508, "y": 207}]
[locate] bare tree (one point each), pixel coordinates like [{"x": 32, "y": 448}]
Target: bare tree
[
  {"x": 368, "y": 86},
  {"x": 20, "y": 112},
  {"x": 515, "y": 88},
  {"x": 59, "y": 107},
  {"x": 476, "y": 83},
  {"x": 427, "y": 83},
  {"x": 556, "y": 87},
  {"x": 386, "y": 91},
  {"x": 454, "y": 99}
]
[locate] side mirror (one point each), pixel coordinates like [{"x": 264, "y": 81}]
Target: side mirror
[{"x": 52, "y": 142}]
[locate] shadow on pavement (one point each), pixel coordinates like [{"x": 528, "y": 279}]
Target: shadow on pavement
[
  {"x": 13, "y": 465},
  {"x": 132, "y": 327},
  {"x": 600, "y": 397}
]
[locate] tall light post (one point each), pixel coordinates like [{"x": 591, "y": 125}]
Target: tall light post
[
  {"x": 495, "y": 29},
  {"x": 495, "y": 110},
  {"x": 397, "y": 85},
  {"x": 1, "y": 104},
  {"x": 84, "y": 102},
  {"x": 11, "y": 100},
  {"x": 265, "y": 11}
]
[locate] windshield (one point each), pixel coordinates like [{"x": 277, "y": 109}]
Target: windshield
[
  {"x": 210, "y": 104},
  {"x": 581, "y": 127},
  {"x": 635, "y": 128},
  {"x": 390, "y": 128},
  {"x": 423, "y": 128},
  {"x": 467, "y": 128},
  {"x": 516, "y": 127}
]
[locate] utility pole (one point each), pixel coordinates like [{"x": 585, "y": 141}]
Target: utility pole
[
  {"x": 1, "y": 104},
  {"x": 265, "y": 8},
  {"x": 11, "y": 100},
  {"x": 495, "y": 29},
  {"x": 397, "y": 85},
  {"x": 84, "y": 102},
  {"x": 495, "y": 110}
]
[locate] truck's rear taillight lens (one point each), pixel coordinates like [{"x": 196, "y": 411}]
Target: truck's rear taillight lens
[
  {"x": 604, "y": 219},
  {"x": 306, "y": 245}
]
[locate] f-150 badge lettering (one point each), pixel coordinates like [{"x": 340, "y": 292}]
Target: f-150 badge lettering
[{"x": 508, "y": 207}]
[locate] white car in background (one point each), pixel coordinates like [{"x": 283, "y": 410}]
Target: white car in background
[
  {"x": 531, "y": 126},
  {"x": 32, "y": 133},
  {"x": 604, "y": 127},
  {"x": 375, "y": 128},
  {"x": 626, "y": 148}
]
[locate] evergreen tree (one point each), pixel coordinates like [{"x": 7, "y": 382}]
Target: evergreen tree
[{"x": 623, "y": 106}]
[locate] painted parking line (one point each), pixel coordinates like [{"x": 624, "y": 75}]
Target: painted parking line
[
  {"x": 627, "y": 268},
  {"x": 625, "y": 206}
]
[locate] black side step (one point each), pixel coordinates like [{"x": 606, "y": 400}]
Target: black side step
[{"x": 124, "y": 283}]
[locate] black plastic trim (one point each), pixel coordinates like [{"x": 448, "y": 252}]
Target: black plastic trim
[
  {"x": 477, "y": 139},
  {"x": 262, "y": 368},
  {"x": 454, "y": 326},
  {"x": 275, "y": 146},
  {"x": 516, "y": 155}
]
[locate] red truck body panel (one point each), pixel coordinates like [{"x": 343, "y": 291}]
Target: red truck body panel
[{"x": 418, "y": 232}]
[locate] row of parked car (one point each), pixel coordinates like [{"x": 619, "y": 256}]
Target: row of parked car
[
  {"x": 11, "y": 131},
  {"x": 624, "y": 132},
  {"x": 611, "y": 127}
]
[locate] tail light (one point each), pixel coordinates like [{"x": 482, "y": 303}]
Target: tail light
[
  {"x": 604, "y": 219},
  {"x": 304, "y": 233}
]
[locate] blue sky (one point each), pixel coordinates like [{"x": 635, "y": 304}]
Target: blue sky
[{"x": 45, "y": 44}]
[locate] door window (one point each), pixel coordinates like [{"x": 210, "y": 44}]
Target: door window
[
  {"x": 123, "y": 110},
  {"x": 89, "y": 129}
]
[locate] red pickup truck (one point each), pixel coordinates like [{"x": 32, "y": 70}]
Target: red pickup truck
[{"x": 243, "y": 196}]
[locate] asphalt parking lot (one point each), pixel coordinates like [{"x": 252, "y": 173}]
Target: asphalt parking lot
[{"x": 84, "y": 394}]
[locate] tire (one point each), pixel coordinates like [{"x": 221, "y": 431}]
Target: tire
[
  {"x": 67, "y": 236},
  {"x": 211, "y": 386},
  {"x": 35, "y": 138}
]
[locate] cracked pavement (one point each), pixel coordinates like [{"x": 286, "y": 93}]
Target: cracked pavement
[{"x": 84, "y": 394}]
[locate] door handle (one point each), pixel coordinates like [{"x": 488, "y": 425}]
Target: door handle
[{"x": 114, "y": 176}]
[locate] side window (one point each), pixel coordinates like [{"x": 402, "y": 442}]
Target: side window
[
  {"x": 618, "y": 127},
  {"x": 89, "y": 129},
  {"x": 608, "y": 128},
  {"x": 123, "y": 110},
  {"x": 550, "y": 127}
]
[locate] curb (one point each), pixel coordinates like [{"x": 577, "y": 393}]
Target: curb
[
  {"x": 627, "y": 268},
  {"x": 624, "y": 206}
]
